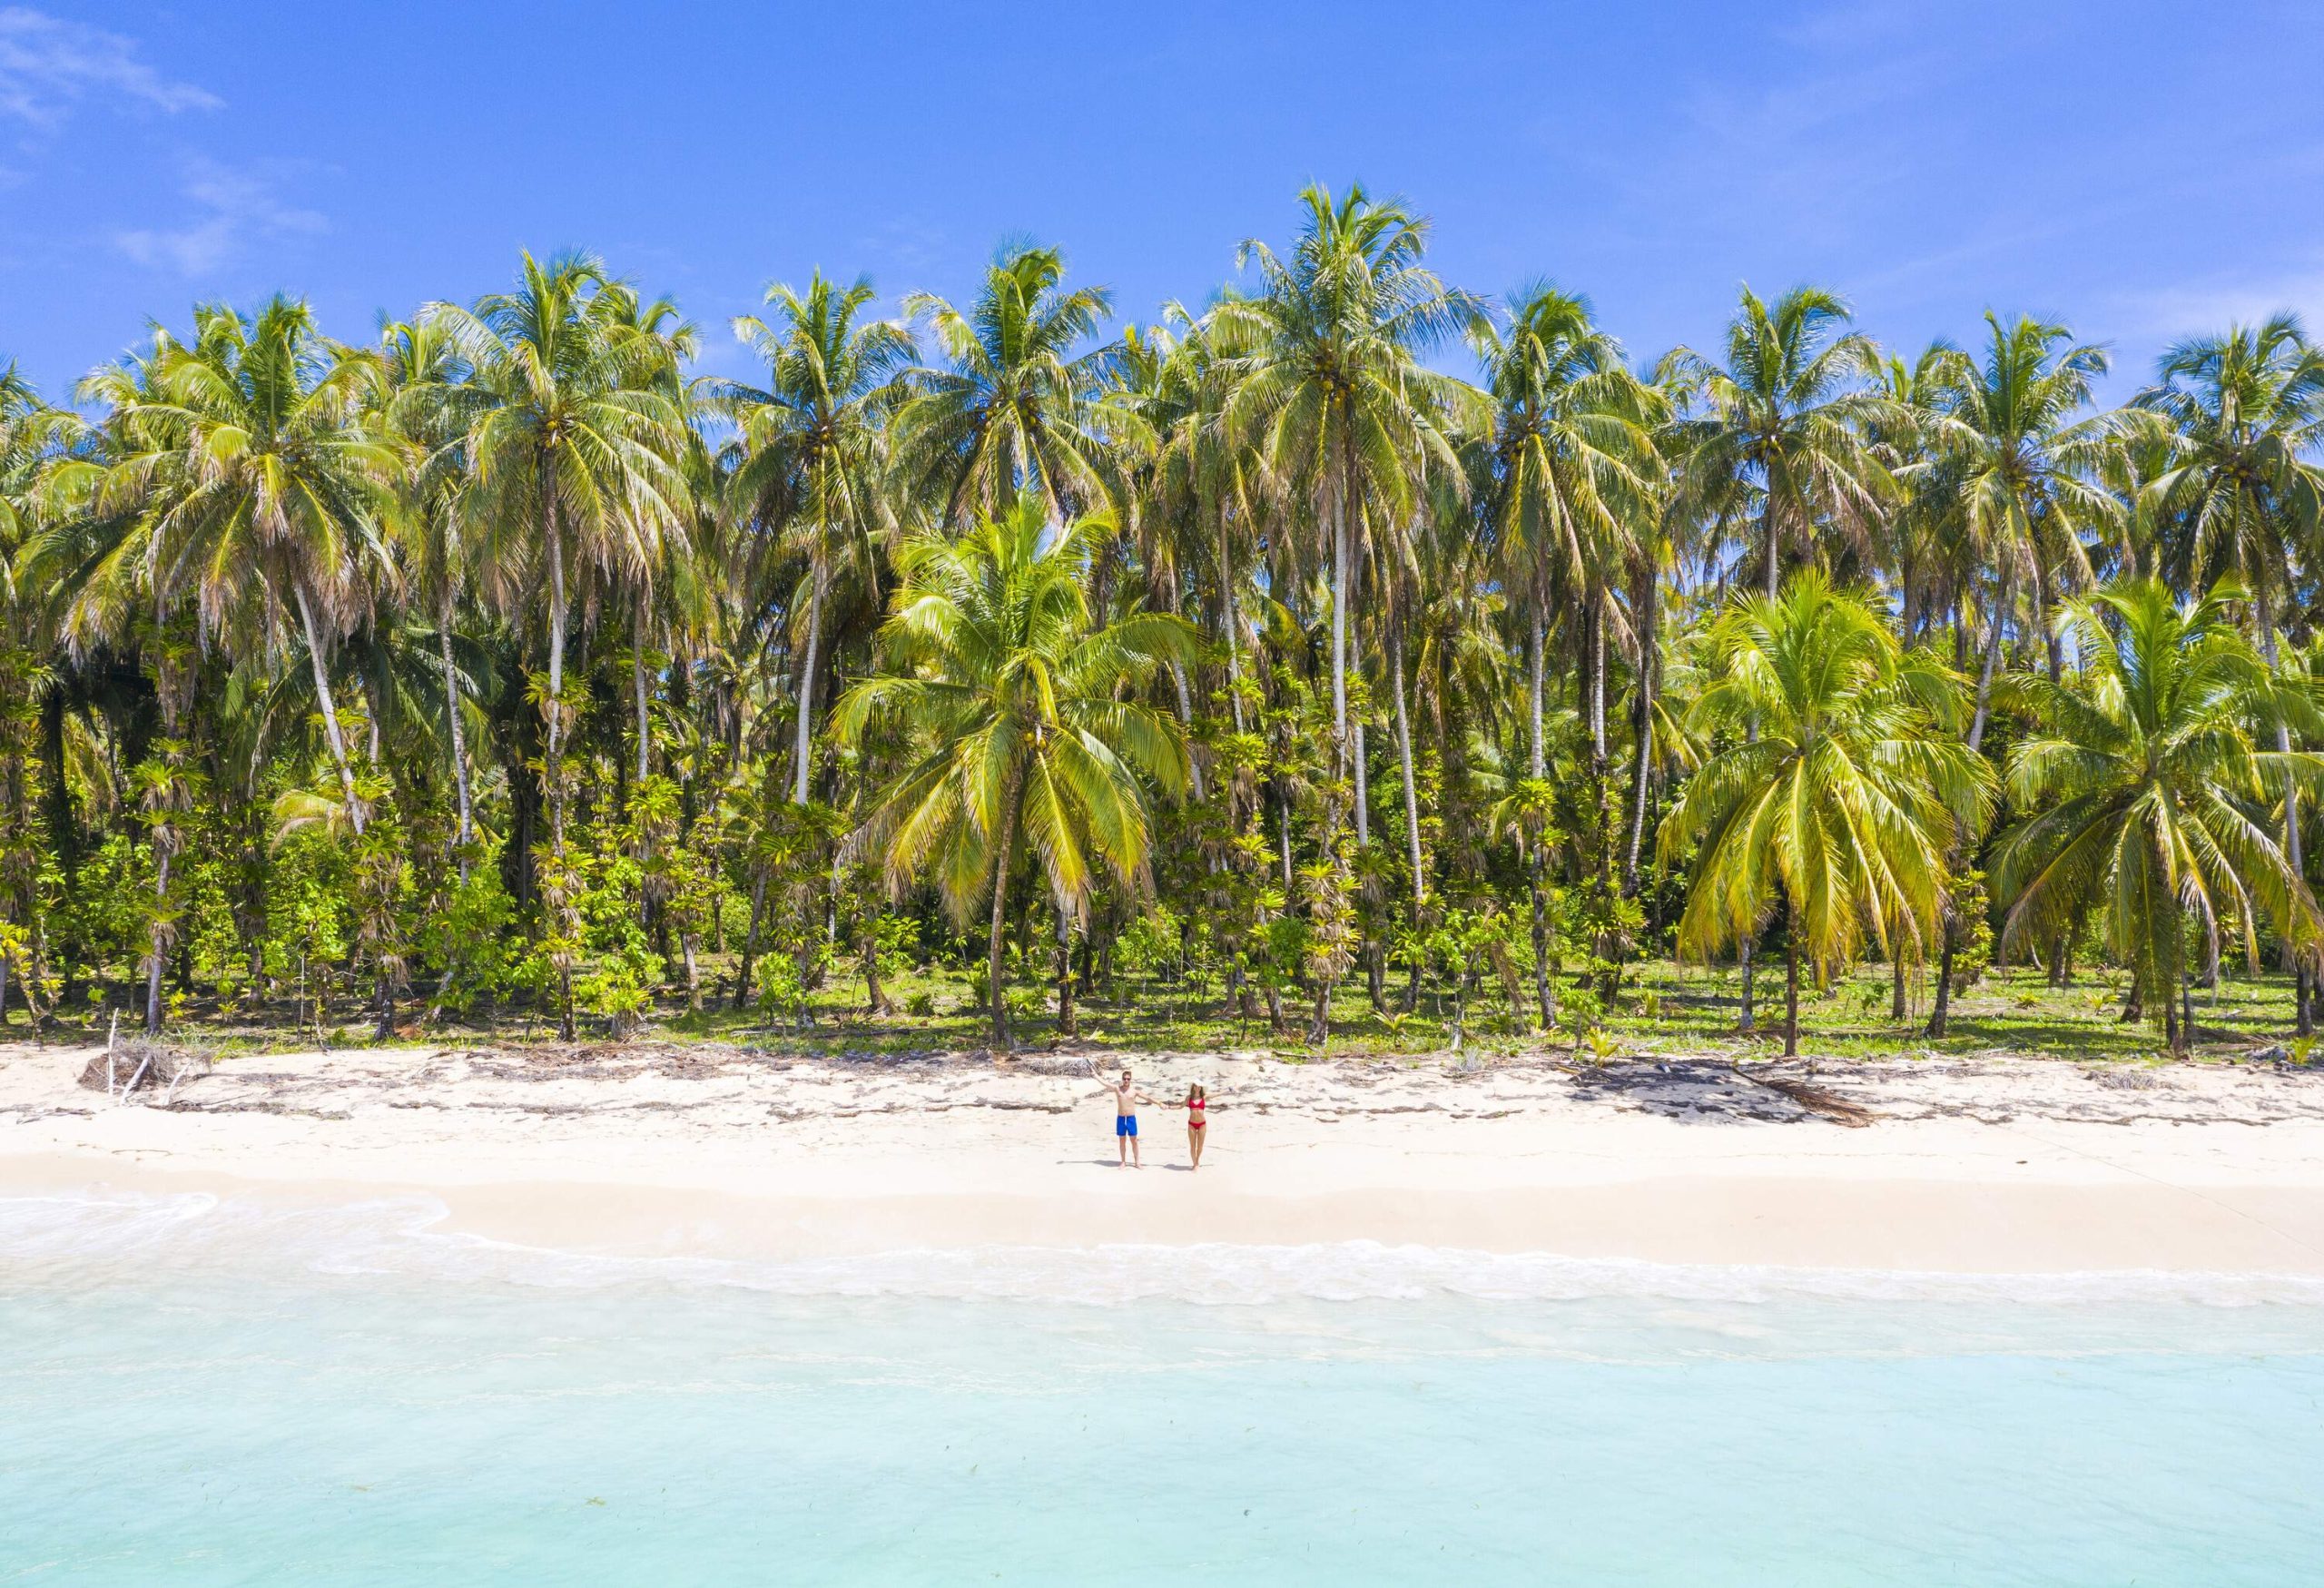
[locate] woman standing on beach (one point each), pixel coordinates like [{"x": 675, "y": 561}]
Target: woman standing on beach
[{"x": 1197, "y": 1107}]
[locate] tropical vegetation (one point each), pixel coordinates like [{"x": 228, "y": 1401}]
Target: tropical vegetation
[{"x": 1347, "y": 656}]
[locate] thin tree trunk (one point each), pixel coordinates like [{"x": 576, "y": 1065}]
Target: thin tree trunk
[
  {"x": 1003, "y": 855},
  {"x": 875, "y": 1001},
  {"x": 157, "y": 952},
  {"x": 330, "y": 711},
  {"x": 1985, "y": 671},
  {"x": 1542, "y": 994},
  {"x": 1233, "y": 624},
  {"x": 1187, "y": 721},
  {"x": 1790, "y": 987},
  {"x": 1533, "y": 753},
  {"x": 1283, "y": 805},
  {"x": 1404, "y": 763},
  {"x": 637, "y": 688},
  {"x": 1339, "y": 632},
  {"x": 805, "y": 740},
  {"x": 2053, "y": 652},
  {"x": 751, "y": 939},
  {"x": 2303, "y": 1013},
  {"x": 1066, "y": 1024},
  {"x": 556, "y": 760},
  {"x": 1648, "y": 659},
  {"x": 1941, "y": 1009},
  {"x": 1598, "y": 758},
  {"x": 644, "y": 758},
  {"x": 467, "y": 829},
  {"x": 1362, "y": 793},
  {"x": 1768, "y": 530}
]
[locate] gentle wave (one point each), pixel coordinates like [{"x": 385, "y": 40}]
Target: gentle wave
[{"x": 102, "y": 1237}]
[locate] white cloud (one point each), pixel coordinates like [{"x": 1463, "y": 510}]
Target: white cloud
[
  {"x": 48, "y": 65},
  {"x": 234, "y": 208},
  {"x": 2202, "y": 308}
]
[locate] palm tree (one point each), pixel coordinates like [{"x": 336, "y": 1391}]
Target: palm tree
[
  {"x": 1783, "y": 437},
  {"x": 1010, "y": 408},
  {"x": 427, "y": 401},
  {"x": 28, "y": 431},
  {"x": 813, "y": 443},
  {"x": 1572, "y": 462},
  {"x": 572, "y": 454},
  {"x": 2241, "y": 416},
  {"x": 2155, "y": 793},
  {"x": 661, "y": 582},
  {"x": 23, "y": 447},
  {"x": 1838, "y": 792},
  {"x": 1333, "y": 390},
  {"x": 2020, "y": 477},
  {"x": 1020, "y": 694},
  {"x": 242, "y": 459}
]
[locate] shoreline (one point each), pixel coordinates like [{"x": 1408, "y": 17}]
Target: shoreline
[{"x": 2004, "y": 1167}]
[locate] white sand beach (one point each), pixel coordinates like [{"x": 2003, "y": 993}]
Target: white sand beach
[{"x": 1987, "y": 1166}]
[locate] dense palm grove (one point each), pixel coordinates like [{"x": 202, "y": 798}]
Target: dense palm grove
[{"x": 1353, "y": 631}]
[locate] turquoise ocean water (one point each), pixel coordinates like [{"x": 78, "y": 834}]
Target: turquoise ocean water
[{"x": 204, "y": 1392}]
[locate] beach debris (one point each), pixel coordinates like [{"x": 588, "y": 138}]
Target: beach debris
[
  {"x": 1817, "y": 1100},
  {"x": 126, "y": 1067}
]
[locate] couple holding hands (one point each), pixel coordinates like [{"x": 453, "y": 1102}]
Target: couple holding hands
[{"x": 1126, "y": 1097}]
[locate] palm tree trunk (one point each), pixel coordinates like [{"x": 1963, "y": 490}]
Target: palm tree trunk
[
  {"x": 1282, "y": 808},
  {"x": 1598, "y": 691},
  {"x": 2303, "y": 1012},
  {"x": 2053, "y": 652},
  {"x": 1404, "y": 763},
  {"x": 466, "y": 831},
  {"x": 1790, "y": 986},
  {"x": 330, "y": 711},
  {"x": 1187, "y": 721},
  {"x": 1533, "y": 761},
  {"x": 1767, "y": 532},
  {"x": 158, "y": 949},
  {"x": 1066, "y": 1024},
  {"x": 1233, "y": 624},
  {"x": 800, "y": 751},
  {"x": 1649, "y": 656},
  {"x": 637, "y": 688},
  {"x": 555, "y": 709},
  {"x": 1339, "y": 630},
  {"x": 1362, "y": 794},
  {"x": 751, "y": 939},
  {"x": 556, "y": 758},
  {"x": 1004, "y": 852},
  {"x": 1542, "y": 993},
  {"x": 1986, "y": 670},
  {"x": 1941, "y": 1008}
]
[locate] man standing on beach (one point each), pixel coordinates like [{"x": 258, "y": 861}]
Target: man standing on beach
[{"x": 1126, "y": 1098}]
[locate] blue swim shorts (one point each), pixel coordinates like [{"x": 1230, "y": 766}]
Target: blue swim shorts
[{"x": 1125, "y": 1124}]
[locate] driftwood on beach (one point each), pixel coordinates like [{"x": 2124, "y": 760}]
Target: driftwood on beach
[{"x": 137, "y": 1064}]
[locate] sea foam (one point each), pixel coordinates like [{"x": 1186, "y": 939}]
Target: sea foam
[{"x": 97, "y": 1236}]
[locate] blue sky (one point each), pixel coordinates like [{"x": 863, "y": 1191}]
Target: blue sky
[{"x": 2141, "y": 170}]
